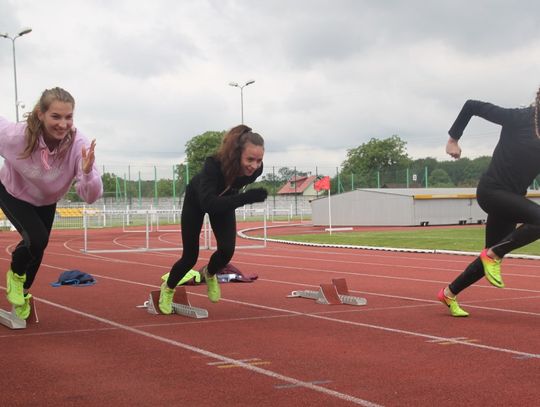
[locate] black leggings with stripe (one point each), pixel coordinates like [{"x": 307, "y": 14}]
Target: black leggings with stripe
[
  {"x": 34, "y": 223},
  {"x": 505, "y": 211},
  {"x": 224, "y": 228}
]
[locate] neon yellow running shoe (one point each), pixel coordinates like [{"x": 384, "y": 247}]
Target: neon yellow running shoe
[
  {"x": 15, "y": 289},
  {"x": 166, "y": 295},
  {"x": 212, "y": 285},
  {"x": 23, "y": 311},
  {"x": 492, "y": 269},
  {"x": 455, "y": 309},
  {"x": 190, "y": 275}
]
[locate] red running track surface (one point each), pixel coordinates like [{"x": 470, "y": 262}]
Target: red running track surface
[{"x": 94, "y": 347}]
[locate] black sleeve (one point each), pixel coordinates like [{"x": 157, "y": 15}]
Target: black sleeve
[
  {"x": 212, "y": 191},
  {"x": 487, "y": 111}
]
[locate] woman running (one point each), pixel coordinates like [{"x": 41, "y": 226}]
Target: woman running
[
  {"x": 42, "y": 158},
  {"x": 215, "y": 190},
  {"x": 501, "y": 191}
]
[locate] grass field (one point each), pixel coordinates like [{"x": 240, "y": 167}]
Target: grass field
[{"x": 461, "y": 239}]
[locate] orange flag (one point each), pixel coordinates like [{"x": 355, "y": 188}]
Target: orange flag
[{"x": 322, "y": 184}]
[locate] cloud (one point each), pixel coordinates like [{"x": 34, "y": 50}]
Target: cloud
[{"x": 149, "y": 76}]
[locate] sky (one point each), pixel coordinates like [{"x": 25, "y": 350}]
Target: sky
[{"x": 330, "y": 75}]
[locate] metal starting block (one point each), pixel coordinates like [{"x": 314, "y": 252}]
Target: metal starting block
[
  {"x": 334, "y": 293},
  {"x": 181, "y": 305},
  {"x": 12, "y": 321}
]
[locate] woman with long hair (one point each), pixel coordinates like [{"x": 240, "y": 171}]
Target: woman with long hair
[
  {"x": 42, "y": 158},
  {"x": 501, "y": 192},
  {"x": 216, "y": 190}
]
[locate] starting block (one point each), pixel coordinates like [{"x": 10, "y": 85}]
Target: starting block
[
  {"x": 12, "y": 321},
  {"x": 334, "y": 293},
  {"x": 181, "y": 304}
]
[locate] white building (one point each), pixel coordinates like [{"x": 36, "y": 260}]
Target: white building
[{"x": 401, "y": 207}]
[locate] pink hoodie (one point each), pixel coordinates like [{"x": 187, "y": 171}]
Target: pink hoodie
[{"x": 40, "y": 179}]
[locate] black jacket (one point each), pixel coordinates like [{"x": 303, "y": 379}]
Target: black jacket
[
  {"x": 516, "y": 158},
  {"x": 209, "y": 188}
]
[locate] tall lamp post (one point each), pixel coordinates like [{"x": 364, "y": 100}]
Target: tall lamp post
[
  {"x": 20, "y": 34},
  {"x": 236, "y": 85}
]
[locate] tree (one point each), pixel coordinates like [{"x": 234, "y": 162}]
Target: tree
[
  {"x": 370, "y": 159},
  {"x": 180, "y": 172},
  {"x": 475, "y": 169},
  {"x": 164, "y": 187},
  {"x": 465, "y": 172},
  {"x": 456, "y": 169},
  {"x": 376, "y": 155},
  {"x": 439, "y": 179},
  {"x": 200, "y": 147}
]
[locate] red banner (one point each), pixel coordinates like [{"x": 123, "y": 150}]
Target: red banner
[{"x": 322, "y": 184}]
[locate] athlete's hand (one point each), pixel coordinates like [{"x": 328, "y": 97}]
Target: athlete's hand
[
  {"x": 88, "y": 157},
  {"x": 255, "y": 195},
  {"x": 453, "y": 149}
]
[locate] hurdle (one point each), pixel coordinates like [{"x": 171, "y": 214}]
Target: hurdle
[
  {"x": 12, "y": 321},
  {"x": 149, "y": 215},
  {"x": 286, "y": 211},
  {"x": 334, "y": 293},
  {"x": 181, "y": 305}
]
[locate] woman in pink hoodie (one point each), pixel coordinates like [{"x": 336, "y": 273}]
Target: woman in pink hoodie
[{"x": 42, "y": 158}]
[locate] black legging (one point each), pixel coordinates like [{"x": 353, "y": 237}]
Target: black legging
[
  {"x": 505, "y": 210},
  {"x": 224, "y": 228},
  {"x": 34, "y": 223}
]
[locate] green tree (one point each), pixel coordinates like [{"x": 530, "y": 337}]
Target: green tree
[
  {"x": 439, "y": 178},
  {"x": 366, "y": 160},
  {"x": 466, "y": 172},
  {"x": 376, "y": 155},
  {"x": 164, "y": 187},
  {"x": 200, "y": 147},
  {"x": 181, "y": 181},
  {"x": 455, "y": 170},
  {"x": 474, "y": 170}
]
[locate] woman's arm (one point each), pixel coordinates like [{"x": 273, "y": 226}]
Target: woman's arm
[{"x": 486, "y": 111}]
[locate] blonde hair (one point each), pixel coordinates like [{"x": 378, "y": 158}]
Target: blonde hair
[
  {"x": 232, "y": 146},
  {"x": 35, "y": 126}
]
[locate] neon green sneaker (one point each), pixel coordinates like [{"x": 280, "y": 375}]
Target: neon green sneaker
[
  {"x": 492, "y": 269},
  {"x": 212, "y": 285},
  {"x": 191, "y": 274},
  {"x": 15, "y": 289},
  {"x": 166, "y": 295},
  {"x": 455, "y": 309},
  {"x": 23, "y": 311}
]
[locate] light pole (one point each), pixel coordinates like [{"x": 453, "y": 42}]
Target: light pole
[
  {"x": 236, "y": 85},
  {"x": 20, "y": 34}
]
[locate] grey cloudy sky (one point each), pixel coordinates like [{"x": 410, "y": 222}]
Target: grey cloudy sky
[{"x": 330, "y": 74}]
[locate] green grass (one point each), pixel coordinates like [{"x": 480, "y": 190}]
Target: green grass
[{"x": 461, "y": 239}]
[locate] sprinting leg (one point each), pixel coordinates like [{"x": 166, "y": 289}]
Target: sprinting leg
[
  {"x": 224, "y": 227},
  {"x": 191, "y": 221},
  {"x": 34, "y": 223},
  {"x": 506, "y": 209}
]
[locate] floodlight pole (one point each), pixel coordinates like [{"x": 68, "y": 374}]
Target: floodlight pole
[
  {"x": 20, "y": 34},
  {"x": 241, "y": 87}
]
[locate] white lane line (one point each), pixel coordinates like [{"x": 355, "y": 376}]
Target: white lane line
[{"x": 221, "y": 358}]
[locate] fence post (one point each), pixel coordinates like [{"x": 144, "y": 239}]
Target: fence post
[
  {"x": 407, "y": 178},
  {"x": 140, "y": 190},
  {"x": 173, "y": 185}
]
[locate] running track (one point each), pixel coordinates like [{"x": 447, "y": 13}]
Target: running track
[{"x": 94, "y": 347}]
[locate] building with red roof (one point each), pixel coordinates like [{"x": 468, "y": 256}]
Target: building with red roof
[{"x": 299, "y": 185}]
